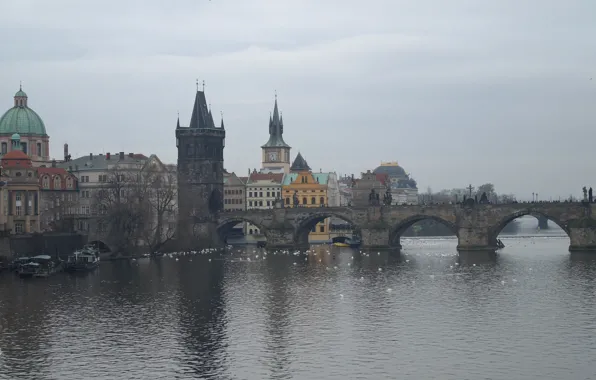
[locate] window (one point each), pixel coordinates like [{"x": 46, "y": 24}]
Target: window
[
  {"x": 322, "y": 200},
  {"x": 17, "y": 197},
  {"x": 250, "y": 203},
  {"x": 4, "y": 148},
  {"x": 260, "y": 203},
  {"x": 287, "y": 201},
  {"x": 268, "y": 203},
  {"x": 46, "y": 182},
  {"x": 103, "y": 178},
  {"x": 24, "y": 147},
  {"x": 39, "y": 149},
  {"x": 268, "y": 195},
  {"x": 250, "y": 231},
  {"x": 304, "y": 202},
  {"x": 57, "y": 182},
  {"x": 18, "y": 210},
  {"x": 18, "y": 228},
  {"x": 250, "y": 194},
  {"x": 322, "y": 229},
  {"x": 260, "y": 194},
  {"x": 69, "y": 183},
  {"x": 279, "y": 194},
  {"x": 313, "y": 200}
]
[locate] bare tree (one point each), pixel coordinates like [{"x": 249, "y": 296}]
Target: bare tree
[{"x": 136, "y": 206}]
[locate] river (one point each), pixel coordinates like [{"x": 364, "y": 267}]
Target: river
[{"x": 424, "y": 314}]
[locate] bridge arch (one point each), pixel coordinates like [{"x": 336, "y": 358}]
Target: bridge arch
[
  {"x": 306, "y": 225},
  {"x": 398, "y": 230},
  {"x": 226, "y": 225},
  {"x": 496, "y": 230},
  {"x": 103, "y": 247}
]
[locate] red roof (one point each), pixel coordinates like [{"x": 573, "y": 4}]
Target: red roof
[
  {"x": 382, "y": 178},
  {"x": 53, "y": 171},
  {"x": 275, "y": 177},
  {"x": 16, "y": 158},
  {"x": 243, "y": 179}
]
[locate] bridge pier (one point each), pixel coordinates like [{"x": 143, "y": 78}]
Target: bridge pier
[
  {"x": 583, "y": 238},
  {"x": 475, "y": 239},
  {"x": 375, "y": 238},
  {"x": 280, "y": 238}
]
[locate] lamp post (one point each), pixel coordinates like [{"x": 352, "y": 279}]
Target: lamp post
[
  {"x": 536, "y": 197},
  {"x": 532, "y": 197}
]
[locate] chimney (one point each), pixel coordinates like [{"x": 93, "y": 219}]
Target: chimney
[
  {"x": 131, "y": 155},
  {"x": 53, "y": 163},
  {"x": 65, "y": 152},
  {"x": 122, "y": 155},
  {"x": 90, "y": 156},
  {"x": 108, "y": 156}
]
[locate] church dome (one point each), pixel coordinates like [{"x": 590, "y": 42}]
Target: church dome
[
  {"x": 21, "y": 119},
  {"x": 392, "y": 169}
]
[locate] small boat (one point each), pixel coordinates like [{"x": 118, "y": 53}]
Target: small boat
[
  {"x": 345, "y": 241},
  {"x": 38, "y": 266},
  {"x": 83, "y": 260}
]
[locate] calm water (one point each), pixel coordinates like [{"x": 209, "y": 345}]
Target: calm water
[{"x": 531, "y": 314}]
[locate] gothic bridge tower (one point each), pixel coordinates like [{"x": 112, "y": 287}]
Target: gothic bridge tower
[{"x": 200, "y": 176}]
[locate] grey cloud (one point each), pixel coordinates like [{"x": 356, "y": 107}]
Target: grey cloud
[{"x": 461, "y": 92}]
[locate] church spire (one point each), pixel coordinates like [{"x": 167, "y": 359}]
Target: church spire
[
  {"x": 275, "y": 129},
  {"x": 222, "y": 123}
]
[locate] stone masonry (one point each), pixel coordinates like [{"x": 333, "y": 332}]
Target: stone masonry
[{"x": 476, "y": 226}]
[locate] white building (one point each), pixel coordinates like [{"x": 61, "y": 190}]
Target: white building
[{"x": 262, "y": 191}]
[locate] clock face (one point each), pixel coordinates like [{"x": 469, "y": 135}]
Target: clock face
[{"x": 273, "y": 156}]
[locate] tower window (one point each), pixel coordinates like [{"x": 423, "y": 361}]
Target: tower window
[
  {"x": 4, "y": 148},
  {"x": 24, "y": 147},
  {"x": 39, "y": 149}
]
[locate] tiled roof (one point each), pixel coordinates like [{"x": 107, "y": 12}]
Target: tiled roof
[
  {"x": 101, "y": 162},
  {"x": 299, "y": 164},
  {"x": 273, "y": 177},
  {"x": 53, "y": 171},
  {"x": 16, "y": 158},
  {"x": 322, "y": 178}
]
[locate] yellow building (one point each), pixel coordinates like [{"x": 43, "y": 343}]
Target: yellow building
[{"x": 310, "y": 190}]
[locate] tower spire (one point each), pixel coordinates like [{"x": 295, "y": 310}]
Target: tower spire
[
  {"x": 178, "y": 122},
  {"x": 222, "y": 123}
]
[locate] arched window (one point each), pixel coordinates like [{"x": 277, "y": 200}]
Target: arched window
[
  {"x": 57, "y": 182},
  {"x": 45, "y": 182},
  {"x": 322, "y": 200},
  {"x": 313, "y": 200},
  {"x": 304, "y": 201},
  {"x": 4, "y": 148},
  {"x": 39, "y": 149},
  {"x": 69, "y": 183},
  {"x": 287, "y": 201}
]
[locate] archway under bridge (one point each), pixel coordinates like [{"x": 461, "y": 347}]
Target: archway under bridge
[
  {"x": 421, "y": 226},
  {"x": 323, "y": 226}
]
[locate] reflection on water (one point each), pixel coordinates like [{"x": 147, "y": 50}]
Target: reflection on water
[{"x": 327, "y": 314}]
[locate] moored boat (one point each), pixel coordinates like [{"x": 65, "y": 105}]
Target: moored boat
[
  {"x": 37, "y": 266},
  {"x": 345, "y": 241},
  {"x": 83, "y": 260}
]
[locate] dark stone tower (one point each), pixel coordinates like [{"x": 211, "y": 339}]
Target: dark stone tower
[{"x": 200, "y": 177}]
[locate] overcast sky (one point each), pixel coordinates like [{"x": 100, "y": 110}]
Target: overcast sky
[{"x": 459, "y": 91}]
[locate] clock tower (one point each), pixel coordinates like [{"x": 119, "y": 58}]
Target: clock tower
[{"x": 276, "y": 153}]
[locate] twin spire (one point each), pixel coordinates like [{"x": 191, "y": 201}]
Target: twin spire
[{"x": 202, "y": 117}]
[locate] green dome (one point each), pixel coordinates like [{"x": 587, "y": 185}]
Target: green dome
[
  {"x": 20, "y": 93},
  {"x": 22, "y": 120},
  {"x": 16, "y": 136}
]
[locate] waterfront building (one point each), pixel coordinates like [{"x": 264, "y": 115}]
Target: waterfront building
[
  {"x": 275, "y": 152},
  {"x": 25, "y": 122},
  {"x": 303, "y": 188},
  {"x": 263, "y": 190},
  {"x": 404, "y": 189},
  {"x": 59, "y": 199},
  {"x": 234, "y": 193},
  {"x": 19, "y": 203},
  {"x": 100, "y": 175}
]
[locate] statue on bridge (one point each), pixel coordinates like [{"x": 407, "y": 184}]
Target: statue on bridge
[
  {"x": 590, "y": 198},
  {"x": 387, "y": 198},
  {"x": 585, "y": 194},
  {"x": 373, "y": 198},
  {"x": 484, "y": 198}
]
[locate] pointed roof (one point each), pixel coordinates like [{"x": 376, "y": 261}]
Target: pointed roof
[
  {"x": 178, "y": 122},
  {"x": 201, "y": 116},
  {"x": 222, "y": 123},
  {"x": 299, "y": 164},
  {"x": 276, "y": 130}
]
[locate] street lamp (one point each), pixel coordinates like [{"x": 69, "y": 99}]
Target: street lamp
[
  {"x": 532, "y": 197},
  {"x": 536, "y": 197}
]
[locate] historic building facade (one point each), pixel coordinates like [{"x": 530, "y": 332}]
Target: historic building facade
[
  {"x": 275, "y": 152},
  {"x": 367, "y": 183},
  {"x": 263, "y": 190},
  {"x": 234, "y": 193},
  {"x": 200, "y": 173},
  {"x": 59, "y": 200},
  {"x": 25, "y": 122},
  {"x": 404, "y": 189},
  {"x": 303, "y": 188},
  {"x": 19, "y": 205}
]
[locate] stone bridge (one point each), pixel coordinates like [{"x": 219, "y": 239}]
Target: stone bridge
[{"x": 476, "y": 226}]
